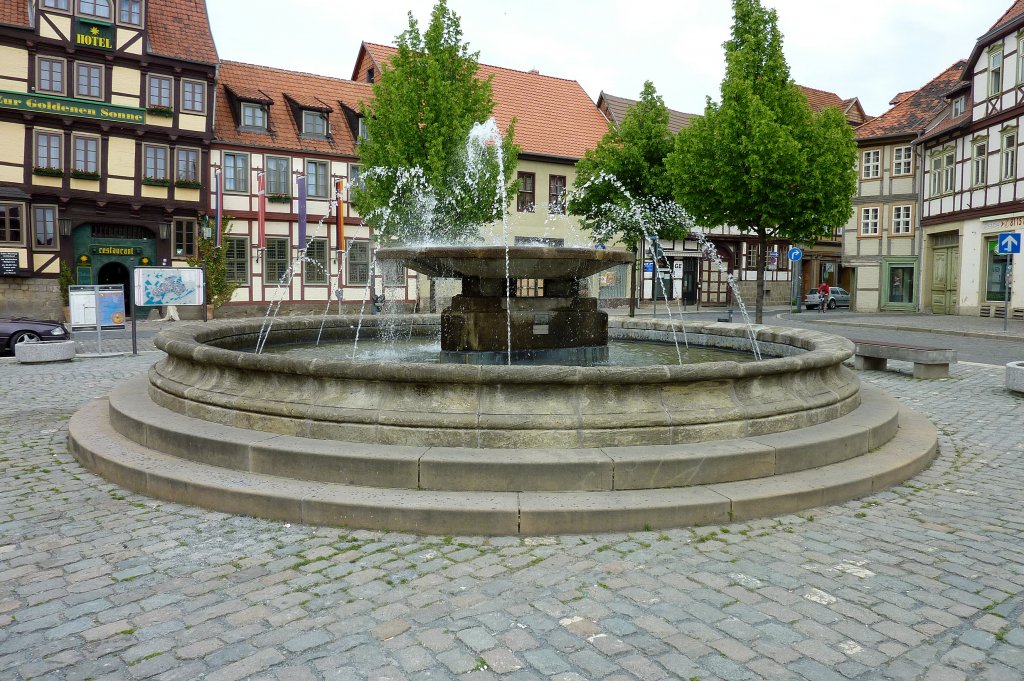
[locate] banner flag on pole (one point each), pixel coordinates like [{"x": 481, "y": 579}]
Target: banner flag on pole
[
  {"x": 261, "y": 208},
  {"x": 218, "y": 197},
  {"x": 302, "y": 211},
  {"x": 339, "y": 188}
]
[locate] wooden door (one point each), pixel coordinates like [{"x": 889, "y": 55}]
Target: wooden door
[
  {"x": 945, "y": 279},
  {"x": 715, "y": 284}
]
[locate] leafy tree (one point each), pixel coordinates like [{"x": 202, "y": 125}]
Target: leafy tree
[
  {"x": 218, "y": 287},
  {"x": 622, "y": 189},
  {"x": 419, "y": 182},
  {"x": 761, "y": 160}
]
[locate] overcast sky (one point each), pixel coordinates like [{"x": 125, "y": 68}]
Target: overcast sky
[{"x": 871, "y": 49}]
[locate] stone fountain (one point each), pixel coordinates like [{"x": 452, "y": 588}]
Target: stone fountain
[{"x": 489, "y": 324}]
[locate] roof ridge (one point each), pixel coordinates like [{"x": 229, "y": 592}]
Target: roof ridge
[{"x": 291, "y": 71}]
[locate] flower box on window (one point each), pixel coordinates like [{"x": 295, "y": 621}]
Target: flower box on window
[
  {"x": 162, "y": 111},
  {"x": 156, "y": 181},
  {"x": 48, "y": 172},
  {"x": 84, "y": 174},
  {"x": 188, "y": 184},
  {"x": 279, "y": 198}
]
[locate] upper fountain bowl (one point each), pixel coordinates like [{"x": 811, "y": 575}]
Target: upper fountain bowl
[{"x": 489, "y": 262}]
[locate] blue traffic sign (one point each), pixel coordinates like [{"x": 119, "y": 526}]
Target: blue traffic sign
[
  {"x": 1008, "y": 242},
  {"x": 795, "y": 254}
]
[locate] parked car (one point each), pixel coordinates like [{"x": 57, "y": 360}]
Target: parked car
[
  {"x": 837, "y": 297},
  {"x": 22, "y": 330}
]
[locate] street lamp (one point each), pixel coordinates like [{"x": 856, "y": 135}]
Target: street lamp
[
  {"x": 64, "y": 225},
  {"x": 165, "y": 230}
]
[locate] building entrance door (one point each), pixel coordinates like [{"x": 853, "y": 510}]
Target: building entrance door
[
  {"x": 945, "y": 279},
  {"x": 116, "y": 273}
]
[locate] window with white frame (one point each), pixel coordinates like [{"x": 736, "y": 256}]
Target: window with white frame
[
  {"x": 193, "y": 96},
  {"x": 49, "y": 146},
  {"x": 155, "y": 162},
  {"x": 95, "y": 8},
  {"x": 995, "y": 71},
  {"x": 959, "y": 104},
  {"x": 902, "y": 160},
  {"x": 44, "y": 226},
  {"x": 314, "y": 267},
  {"x": 871, "y": 166},
  {"x": 317, "y": 179},
  {"x": 160, "y": 91},
  {"x": 948, "y": 171},
  {"x": 236, "y": 172},
  {"x": 869, "y": 221},
  {"x": 935, "y": 177},
  {"x": 901, "y": 224},
  {"x": 130, "y": 12},
  {"x": 979, "y": 162},
  {"x": 1009, "y": 157},
  {"x": 88, "y": 81},
  {"x": 358, "y": 263},
  {"x": 314, "y": 123},
  {"x": 50, "y": 75},
  {"x": 187, "y": 165},
  {"x": 254, "y": 116},
  {"x": 279, "y": 176},
  {"x": 86, "y": 154}
]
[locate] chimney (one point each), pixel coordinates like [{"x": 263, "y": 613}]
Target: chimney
[{"x": 535, "y": 71}]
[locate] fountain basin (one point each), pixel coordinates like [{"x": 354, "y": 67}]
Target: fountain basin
[{"x": 209, "y": 374}]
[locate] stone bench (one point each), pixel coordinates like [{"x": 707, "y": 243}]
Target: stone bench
[
  {"x": 928, "y": 362},
  {"x": 1015, "y": 377},
  {"x": 33, "y": 353}
]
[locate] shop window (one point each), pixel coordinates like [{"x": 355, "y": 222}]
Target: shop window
[
  {"x": 996, "y": 269},
  {"x": 314, "y": 267},
  {"x": 275, "y": 261},
  {"x": 10, "y": 223},
  {"x": 900, "y": 284}
]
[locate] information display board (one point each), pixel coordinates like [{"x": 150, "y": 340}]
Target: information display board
[{"x": 154, "y": 286}]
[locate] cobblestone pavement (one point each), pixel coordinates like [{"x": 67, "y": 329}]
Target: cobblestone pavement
[{"x": 923, "y": 581}]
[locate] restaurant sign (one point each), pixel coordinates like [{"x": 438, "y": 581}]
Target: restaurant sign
[
  {"x": 65, "y": 106},
  {"x": 115, "y": 250},
  {"x": 96, "y": 34}
]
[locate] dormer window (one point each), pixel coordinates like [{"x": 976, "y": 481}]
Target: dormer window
[
  {"x": 314, "y": 123},
  {"x": 254, "y": 116},
  {"x": 958, "y": 106},
  {"x": 369, "y": 75},
  {"x": 95, "y": 8},
  {"x": 363, "y": 133},
  {"x": 130, "y": 12}
]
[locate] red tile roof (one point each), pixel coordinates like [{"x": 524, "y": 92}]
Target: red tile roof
[
  {"x": 821, "y": 99},
  {"x": 554, "y": 116},
  {"x": 307, "y": 90},
  {"x": 914, "y": 111},
  {"x": 180, "y": 29},
  {"x": 14, "y": 13},
  {"x": 1016, "y": 9}
]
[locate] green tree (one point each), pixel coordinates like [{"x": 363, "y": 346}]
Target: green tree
[
  {"x": 622, "y": 190},
  {"x": 218, "y": 286},
  {"x": 761, "y": 160},
  {"x": 419, "y": 184}
]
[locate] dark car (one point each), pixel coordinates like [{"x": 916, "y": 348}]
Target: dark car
[{"x": 21, "y": 330}]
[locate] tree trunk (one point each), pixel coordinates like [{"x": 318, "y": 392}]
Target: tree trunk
[
  {"x": 762, "y": 259},
  {"x": 632, "y": 285}
]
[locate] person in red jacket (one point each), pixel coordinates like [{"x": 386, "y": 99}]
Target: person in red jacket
[{"x": 823, "y": 292}]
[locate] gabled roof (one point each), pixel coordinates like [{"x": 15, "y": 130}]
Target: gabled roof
[
  {"x": 615, "y": 109},
  {"x": 913, "y": 112},
  {"x": 554, "y": 116},
  {"x": 180, "y": 29},
  {"x": 1016, "y": 10},
  {"x": 14, "y": 13},
  {"x": 821, "y": 99},
  {"x": 280, "y": 88},
  {"x": 1011, "y": 20}
]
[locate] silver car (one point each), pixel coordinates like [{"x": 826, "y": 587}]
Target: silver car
[{"x": 837, "y": 297}]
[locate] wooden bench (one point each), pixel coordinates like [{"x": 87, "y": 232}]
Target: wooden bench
[{"x": 928, "y": 362}]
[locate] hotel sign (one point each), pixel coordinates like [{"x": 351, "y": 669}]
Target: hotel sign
[
  {"x": 65, "y": 106},
  {"x": 95, "y": 34}
]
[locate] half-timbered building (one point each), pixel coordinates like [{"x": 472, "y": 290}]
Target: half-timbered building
[{"x": 106, "y": 119}]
